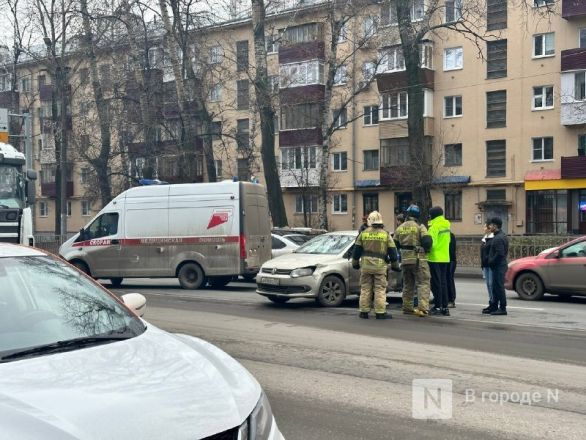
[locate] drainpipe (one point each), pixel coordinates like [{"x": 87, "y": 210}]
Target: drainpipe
[{"x": 354, "y": 126}]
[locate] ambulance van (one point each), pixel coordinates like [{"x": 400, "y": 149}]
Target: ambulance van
[{"x": 199, "y": 233}]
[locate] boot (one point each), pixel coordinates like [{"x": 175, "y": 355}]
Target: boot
[
  {"x": 408, "y": 311},
  {"x": 452, "y": 304},
  {"x": 445, "y": 312},
  {"x": 499, "y": 312},
  {"x": 420, "y": 313},
  {"x": 491, "y": 308},
  {"x": 435, "y": 312},
  {"x": 383, "y": 316},
  {"x": 363, "y": 315}
]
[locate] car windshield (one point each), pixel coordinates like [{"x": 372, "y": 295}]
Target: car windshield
[
  {"x": 298, "y": 239},
  {"x": 330, "y": 244},
  {"x": 44, "y": 301}
]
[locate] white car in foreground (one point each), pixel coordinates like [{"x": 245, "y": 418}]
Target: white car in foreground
[{"x": 76, "y": 363}]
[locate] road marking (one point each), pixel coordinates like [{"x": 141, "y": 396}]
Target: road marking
[
  {"x": 578, "y": 329},
  {"x": 508, "y": 307}
]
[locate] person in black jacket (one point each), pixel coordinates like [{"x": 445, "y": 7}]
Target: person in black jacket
[
  {"x": 497, "y": 261},
  {"x": 486, "y": 272},
  {"x": 451, "y": 272}
]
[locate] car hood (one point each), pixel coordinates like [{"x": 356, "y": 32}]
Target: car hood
[
  {"x": 154, "y": 386},
  {"x": 294, "y": 260},
  {"x": 67, "y": 244}
]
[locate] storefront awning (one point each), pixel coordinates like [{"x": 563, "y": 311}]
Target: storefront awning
[
  {"x": 536, "y": 180},
  {"x": 451, "y": 180},
  {"x": 369, "y": 183}
]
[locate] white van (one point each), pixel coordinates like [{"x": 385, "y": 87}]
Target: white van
[{"x": 195, "y": 232}]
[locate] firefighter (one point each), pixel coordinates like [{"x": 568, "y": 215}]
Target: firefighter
[
  {"x": 373, "y": 250},
  {"x": 413, "y": 241}
]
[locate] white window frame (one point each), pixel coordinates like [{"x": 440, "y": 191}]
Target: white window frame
[
  {"x": 337, "y": 199},
  {"x": 215, "y": 93},
  {"x": 43, "y": 209},
  {"x": 542, "y": 158},
  {"x": 457, "y": 10},
  {"x": 84, "y": 173},
  {"x": 341, "y": 75},
  {"x": 369, "y": 26},
  {"x": 543, "y": 37},
  {"x": 343, "y": 37},
  {"x": 272, "y": 44},
  {"x": 583, "y": 98},
  {"x": 542, "y": 3},
  {"x": 364, "y": 153},
  {"x": 454, "y": 100},
  {"x": 69, "y": 208},
  {"x": 391, "y": 60},
  {"x": 290, "y": 160},
  {"x": 218, "y": 167},
  {"x": 216, "y": 54},
  {"x": 448, "y": 55},
  {"x": 341, "y": 120},
  {"x": 337, "y": 167},
  {"x": 414, "y": 8},
  {"x": 86, "y": 208},
  {"x": 25, "y": 84},
  {"x": 312, "y": 209},
  {"x": 301, "y": 74},
  {"x": 542, "y": 94},
  {"x": 368, "y": 71},
  {"x": 580, "y": 32},
  {"x": 368, "y": 115},
  {"x": 385, "y": 111}
]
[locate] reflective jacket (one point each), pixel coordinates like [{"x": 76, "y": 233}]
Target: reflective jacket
[
  {"x": 374, "y": 248},
  {"x": 439, "y": 229},
  {"x": 411, "y": 239}
]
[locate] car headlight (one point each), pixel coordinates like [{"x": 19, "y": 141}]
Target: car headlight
[
  {"x": 258, "y": 425},
  {"x": 304, "y": 272}
]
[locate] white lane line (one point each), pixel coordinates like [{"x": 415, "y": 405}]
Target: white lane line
[
  {"x": 490, "y": 320},
  {"x": 508, "y": 307}
]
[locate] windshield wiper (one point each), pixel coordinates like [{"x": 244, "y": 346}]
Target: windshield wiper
[{"x": 67, "y": 345}]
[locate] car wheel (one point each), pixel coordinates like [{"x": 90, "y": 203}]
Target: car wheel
[
  {"x": 191, "y": 276},
  {"x": 331, "y": 292},
  {"x": 80, "y": 265},
  {"x": 529, "y": 286},
  {"x": 219, "y": 282},
  {"x": 278, "y": 299},
  {"x": 116, "y": 282}
]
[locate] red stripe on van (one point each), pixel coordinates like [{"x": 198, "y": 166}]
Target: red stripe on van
[{"x": 158, "y": 241}]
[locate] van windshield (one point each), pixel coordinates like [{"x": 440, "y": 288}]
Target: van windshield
[{"x": 329, "y": 244}]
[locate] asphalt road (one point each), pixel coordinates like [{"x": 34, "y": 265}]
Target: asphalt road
[{"x": 330, "y": 375}]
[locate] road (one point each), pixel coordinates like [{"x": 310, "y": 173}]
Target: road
[{"x": 330, "y": 375}]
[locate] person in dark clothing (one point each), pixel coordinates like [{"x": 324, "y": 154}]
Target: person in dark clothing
[
  {"x": 451, "y": 282},
  {"x": 497, "y": 261},
  {"x": 364, "y": 224},
  {"x": 486, "y": 272}
]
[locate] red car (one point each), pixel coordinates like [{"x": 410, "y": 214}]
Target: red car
[{"x": 559, "y": 271}]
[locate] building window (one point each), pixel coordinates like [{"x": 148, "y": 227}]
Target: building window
[
  {"x": 453, "y": 10},
  {"x": 368, "y": 27},
  {"x": 218, "y": 166},
  {"x": 542, "y": 97},
  {"x": 538, "y": 3},
  {"x": 453, "y": 205},
  {"x": 341, "y": 76},
  {"x": 242, "y": 134},
  {"x": 369, "y": 203},
  {"x": 299, "y": 116},
  {"x": 242, "y": 94},
  {"x": 389, "y": 13},
  {"x": 452, "y": 106},
  {"x": 496, "y": 158},
  {"x": 547, "y": 212},
  {"x": 496, "y": 195},
  {"x": 84, "y": 76},
  {"x": 542, "y": 149},
  {"x": 453, "y": 58},
  {"x": 305, "y": 203},
  {"x": 496, "y": 15},
  {"x": 216, "y": 93},
  {"x": 302, "y": 34},
  {"x": 301, "y": 74},
  {"x": 371, "y": 160},
  {"x": 343, "y": 33},
  {"x": 216, "y": 130},
  {"x": 496, "y": 109},
  {"x": 394, "y": 105},
  {"x": 370, "y": 114},
  {"x": 543, "y": 45},
  {"x": 43, "y": 209},
  {"x": 453, "y": 155},
  {"x": 297, "y": 158},
  {"x": 583, "y": 38},
  {"x": 273, "y": 83},
  {"x": 242, "y": 55},
  {"x": 582, "y": 145},
  {"x": 340, "y": 203},
  {"x": 417, "y": 10},
  {"x": 368, "y": 71},
  {"x": 340, "y": 118},
  {"x": 272, "y": 42},
  {"x": 216, "y": 55},
  {"x": 392, "y": 60},
  {"x": 68, "y": 208},
  {"x": 340, "y": 161},
  {"x": 496, "y": 59},
  {"x": 243, "y": 170},
  {"x": 395, "y": 152},
  {"x": 25, "y": 84},
  {"x": 84, "y": 175},
  {"x": 580, "y": 86},
  {"x": 85, "y": 208}
]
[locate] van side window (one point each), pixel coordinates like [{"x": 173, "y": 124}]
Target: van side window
[{"x": 104, "y": 226}]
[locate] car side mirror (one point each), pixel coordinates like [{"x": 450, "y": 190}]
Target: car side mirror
[
  {"x": 555, "y": 254},
  {"x": 135, "y": 302}
]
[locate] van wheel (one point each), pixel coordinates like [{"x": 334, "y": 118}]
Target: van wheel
[
  {"x": 529, "y": 286},
  {"x": 116, "y": 282},
  {"x": 219, "y": 282},
  {"x": 191, "y": 276},
  {"x": 80, "y": 265},
  {"x": 331, "y": 292}
]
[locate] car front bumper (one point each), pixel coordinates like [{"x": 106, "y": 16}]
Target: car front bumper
[
  {"x": 286, "y": 286},
  {"x": 509, "y": 278}
]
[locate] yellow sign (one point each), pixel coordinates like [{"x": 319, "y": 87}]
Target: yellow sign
[
  {"x": 535, "y": 185},
  {"x": 4, "y": 136}
]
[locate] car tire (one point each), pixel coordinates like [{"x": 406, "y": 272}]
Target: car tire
[
  {"x": 219, "y": 282},
  {"x": 332, "y": 292},
  {"x": 191, "y": 276},
  {"x": 278, "y": 299},
  {"x": 116, "y": 282},
  {"x": 529, "y": 287},
  {"x": 80, "y": 265}
]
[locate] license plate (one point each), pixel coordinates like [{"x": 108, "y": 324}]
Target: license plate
[{"x": 271, "y": 281}]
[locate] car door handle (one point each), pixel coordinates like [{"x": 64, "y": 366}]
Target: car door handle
[{"x": 115, "y": 241}]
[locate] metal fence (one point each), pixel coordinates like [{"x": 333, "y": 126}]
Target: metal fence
[
  {"x": 50, "y": 243},
  {"x": 468, "y": 248}
]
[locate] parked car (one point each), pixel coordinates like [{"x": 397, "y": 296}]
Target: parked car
[
  {"x": 558, "y": 271},
  {"x": 312, "y": 232},
  {"x": 77, "y": 363},
  {"x": 320, "y": 269},
  {"x": 286, "y": 244}
]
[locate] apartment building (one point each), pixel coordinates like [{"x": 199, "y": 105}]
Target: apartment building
[{"x": 505, "y": 118}]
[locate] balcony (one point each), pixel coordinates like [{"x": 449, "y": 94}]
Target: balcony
[
  {"x": 303, "y": 94},
  {"x": 8, "y": 98},
  {"x": 50, "y": 189},
  {"x": 398, "y": 176},
  {"x": 399, "y": 80},
  {"x": 302, "y": 136},
  {"x": 573, "y": 59},
  {"x": 46, "y": 92},
  {"x": 309, "y": 50},
  {"x": 390, "y": 129},
  {"x": 573, "y": 9},
  {"x": 574, "y": 167},
  {"x": 302, "y": 178}
]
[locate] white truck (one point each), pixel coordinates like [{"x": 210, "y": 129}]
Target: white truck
[
  {"x": 17, "y": 194},
  {"x": 198, "y": 233}
]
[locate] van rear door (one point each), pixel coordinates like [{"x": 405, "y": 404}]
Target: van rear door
[{"x": 255, "y": 226}]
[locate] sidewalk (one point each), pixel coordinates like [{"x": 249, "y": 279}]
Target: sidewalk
[{"x": 468, "y": 272}]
